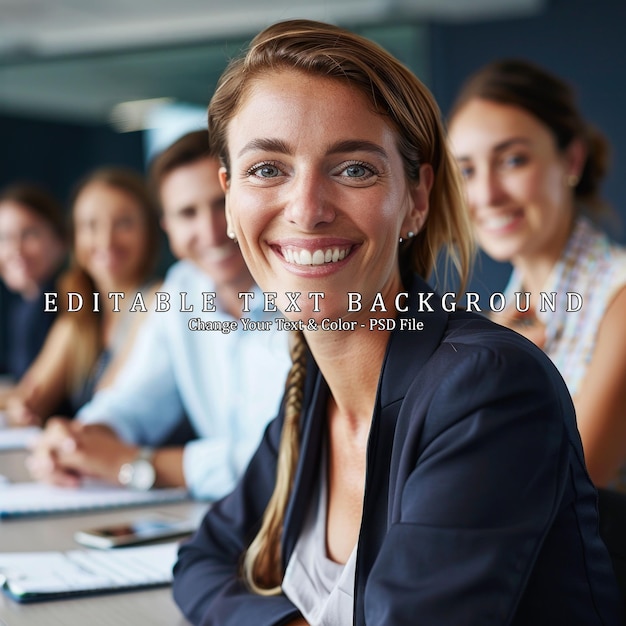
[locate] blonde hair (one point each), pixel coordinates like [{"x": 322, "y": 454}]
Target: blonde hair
[
  {"x": 87, "y": 324},
  {"x": 262, "y": 563},
  {"x": 397, "y": 95}
]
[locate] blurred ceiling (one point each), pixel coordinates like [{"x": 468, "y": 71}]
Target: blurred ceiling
[{"x": 77, "y": 59}]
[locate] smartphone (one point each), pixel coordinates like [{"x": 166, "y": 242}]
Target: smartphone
[{"x": 140, "y": 530}]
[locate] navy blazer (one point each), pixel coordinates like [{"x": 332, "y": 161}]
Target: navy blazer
[{"x": 478, "y": 509}]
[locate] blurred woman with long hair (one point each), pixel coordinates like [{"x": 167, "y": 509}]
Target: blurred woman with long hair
[
  {"x": 533, "y": 167},
  {"x": 115, "y": 240}
]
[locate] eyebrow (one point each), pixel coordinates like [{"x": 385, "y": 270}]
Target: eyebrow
[
  {"x": 500, "y": 147},
  {"x": 267, "y": 145},
  {"x": 348, "y": 145},
  {"x": 357, "y": 145}
]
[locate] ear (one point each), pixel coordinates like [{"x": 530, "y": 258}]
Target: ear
[
  {"x": 163, "y": 223},
  {"x": 225, "y": 185},
  {"x": 419, "y": 201},
  {"x": 229, "y": 222},
  {"x": 222, "y": 174},
  {"x": 575, "y": 158}
]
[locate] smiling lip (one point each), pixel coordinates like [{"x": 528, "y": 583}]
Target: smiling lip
[
  {"x": 108, "y": 259},
  {"x": 321, "y": 256},
  {"x": 312, "y": 254},
  {"x": 500, "y": 223}
]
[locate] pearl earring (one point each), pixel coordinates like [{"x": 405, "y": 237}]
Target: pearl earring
[{"x": 231, "y": 235}]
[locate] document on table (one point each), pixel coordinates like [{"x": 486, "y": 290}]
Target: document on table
[
  {"x": 18, "y": 438},
  {"x": 31, "y": 499},
  {"x": 35, "y": 576}
]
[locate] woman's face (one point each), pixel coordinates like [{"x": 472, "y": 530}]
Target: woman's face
[
  {"x": 317, "y": 194},
  {"x": 110, "y": 236},
  {"x": 515, "y": 179},
  {"x": 30, "y": 250}
]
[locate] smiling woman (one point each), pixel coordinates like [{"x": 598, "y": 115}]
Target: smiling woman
[
  {"x": 345, "y": 200},
  {"x": 532, "y": 169},
  {"x": 436, "y": 473},
  {"x": 114, "y": 246}
]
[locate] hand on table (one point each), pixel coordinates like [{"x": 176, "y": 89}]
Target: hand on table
[
  {"x": 68, "y": 451},
  {"x": 20, "y": 413}
]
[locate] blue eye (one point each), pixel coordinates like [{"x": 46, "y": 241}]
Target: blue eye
[
  {"x": 515, "y": 160},
  {"x": 356, "y": 171},
  {"x": 268, "y": 171},
  {"x": 466, "y": 172},
  {"x": 264, "y": 170}
]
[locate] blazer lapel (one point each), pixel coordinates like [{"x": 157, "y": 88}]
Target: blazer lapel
[{"x": 407, "y": 352}]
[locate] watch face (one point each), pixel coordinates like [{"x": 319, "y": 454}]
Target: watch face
[{"x": 143, "y": 475}]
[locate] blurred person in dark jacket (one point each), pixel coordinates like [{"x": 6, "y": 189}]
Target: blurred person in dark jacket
[{"x": 32, "y": 251}]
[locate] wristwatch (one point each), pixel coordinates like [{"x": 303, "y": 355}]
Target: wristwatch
[{"x": 138, "y": 474}]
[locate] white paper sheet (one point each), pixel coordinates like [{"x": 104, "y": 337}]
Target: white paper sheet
[
  {"x": 18, "y": 438},
  {"x": 38, "y": 575},
  {"x": 25, "y": 499}
]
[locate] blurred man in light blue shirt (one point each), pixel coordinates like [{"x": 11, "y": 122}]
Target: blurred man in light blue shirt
[{"x": 186, "y": 362}]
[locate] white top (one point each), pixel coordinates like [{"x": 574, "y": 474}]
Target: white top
[
  {"x": 229, "y": 385},
  {"x": 593, "y": 268},
  {"x": 320, "y": 588}
]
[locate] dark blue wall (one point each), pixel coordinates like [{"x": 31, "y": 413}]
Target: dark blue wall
[
  {"x": 56, "y": 155},
  {"x": 583, "y": 41}
]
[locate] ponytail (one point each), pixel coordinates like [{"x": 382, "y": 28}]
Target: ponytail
[{"x": 587, "y": 191}]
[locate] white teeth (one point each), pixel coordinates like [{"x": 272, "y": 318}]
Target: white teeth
[
  {"x": 497, "y": 221},
  {"x": 318, "y": 257}
]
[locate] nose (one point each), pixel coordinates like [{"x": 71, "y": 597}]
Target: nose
[
  {"x": 13, "y": 243},
  {"x": 485, "y": 189},
  {"x": 18, "y": 243},
  {"x": 309, "y": 203},
  {"x": 105, "y": 236}
]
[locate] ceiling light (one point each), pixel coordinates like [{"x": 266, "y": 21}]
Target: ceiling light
[{"x": 134, "y": 115}]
